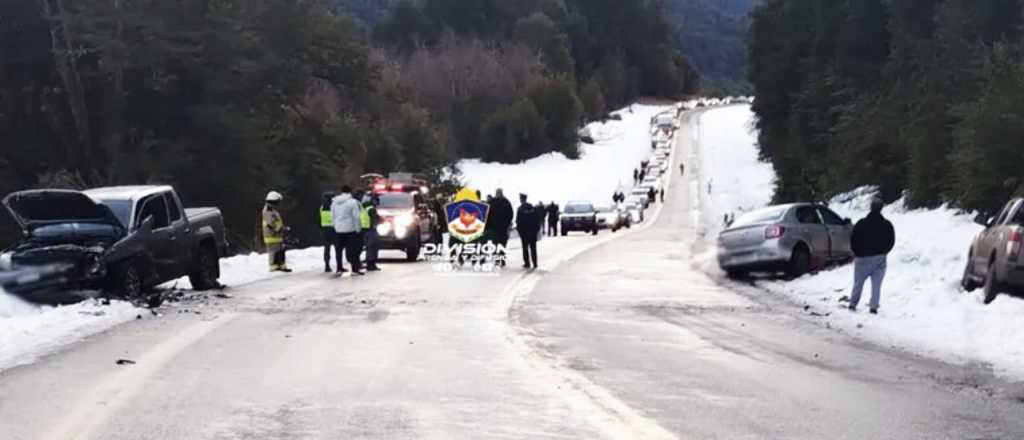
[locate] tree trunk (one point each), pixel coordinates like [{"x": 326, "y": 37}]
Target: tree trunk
[{"x": 67, "y": 67}]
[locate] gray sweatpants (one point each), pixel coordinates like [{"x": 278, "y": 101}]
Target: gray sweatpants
[{"x": 868, "y": 267}]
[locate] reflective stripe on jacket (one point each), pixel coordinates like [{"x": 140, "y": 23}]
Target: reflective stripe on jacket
[
  {"x": 326, "y": 221},
  {"x": 273, "y": 226}
]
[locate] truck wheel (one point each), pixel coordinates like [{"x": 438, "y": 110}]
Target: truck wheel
[
  {"x": 991, "y": 288},
  {"x": 734, "y": 274},
  {"x": 564, "y": 231},
  {"x": 127, "y": 283},
  {"x": 594, "y": 231},
  {"x": 412, "y": 253},
  {"x": 207, "y": 270}
]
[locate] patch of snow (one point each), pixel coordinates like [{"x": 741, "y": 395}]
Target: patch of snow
[
  {"x": 603, "y": 167},
  {"x": 923, "y": 308},
  {"x": 29, "y": 331}
]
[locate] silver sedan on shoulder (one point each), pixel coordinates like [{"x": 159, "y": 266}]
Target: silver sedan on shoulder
[{"x": 794, "y": 238}]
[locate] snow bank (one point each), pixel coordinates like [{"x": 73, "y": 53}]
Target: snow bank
[
  {"x": 732, "y": 179},
  {"x": 28, "y": 331},
  {"x": 923, "y": 309},
  {"x": 603, "y": 167}
]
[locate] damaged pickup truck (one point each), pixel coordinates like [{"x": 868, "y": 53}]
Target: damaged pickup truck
[{"x": 120, "y": 241}]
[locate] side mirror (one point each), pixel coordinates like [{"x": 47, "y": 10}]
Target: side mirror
[
  {"x": 147, "y": 225},
  {"x": 982, "y": 220}
]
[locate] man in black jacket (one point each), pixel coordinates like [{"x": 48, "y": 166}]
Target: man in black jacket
[
  {"x": 499, "y": 220},
  {"x": 873, "y": 239},
  {"x": 553, "y": 214},
  {"x": 528, "y": 225}
]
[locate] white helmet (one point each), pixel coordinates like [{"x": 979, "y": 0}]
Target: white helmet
[{"x": 274, "y": 196}]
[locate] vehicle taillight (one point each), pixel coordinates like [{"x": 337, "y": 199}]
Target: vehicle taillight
[
  {"x": 1013, "y": 245},
  {"x": 380, "y": 187},
  {"x": 774, "y": 231},
  {"x": 396, "y": 187}
]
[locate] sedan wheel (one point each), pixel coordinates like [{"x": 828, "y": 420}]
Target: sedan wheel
[
  {"x": 799, "y": 262},
  {"x": 991, "y": 287},
  {"x": 967, "y": 282}
]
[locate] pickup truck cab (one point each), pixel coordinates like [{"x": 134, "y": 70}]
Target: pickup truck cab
[
  {"x": 123, "y": 240},
  {"x": 994, "y": 260}
]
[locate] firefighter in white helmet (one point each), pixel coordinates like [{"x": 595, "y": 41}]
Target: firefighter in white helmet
[{"x": 273, "y": 232}]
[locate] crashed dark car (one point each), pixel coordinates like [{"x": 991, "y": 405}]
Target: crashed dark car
[{"x": 117, "y": 241}]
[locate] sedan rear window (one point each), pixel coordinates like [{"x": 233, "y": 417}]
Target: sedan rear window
[{"x": 766, "y": 215}]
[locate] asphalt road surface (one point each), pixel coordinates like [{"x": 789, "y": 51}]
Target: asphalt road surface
[{"x": 614, "y": 337}]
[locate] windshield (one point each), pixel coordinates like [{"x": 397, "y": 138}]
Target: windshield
[
  {"x": 604, "y": 209},
  {"x": 122, "y": 209},
  {"x": 579, "y": 209},
  {"x": 396, "y": 201},
  {"x": 761, "y": 216},
  {"x": 65, "y": 230}
]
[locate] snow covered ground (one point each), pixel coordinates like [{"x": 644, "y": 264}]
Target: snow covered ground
[
  {"x": 923, "y": 309},
  {"x": 28, "y": 331},
  {"x": 605, "y": 166}
]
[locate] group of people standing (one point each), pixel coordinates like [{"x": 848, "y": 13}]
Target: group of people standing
[
  {"x": 348, "y": 224},
  {"x": 530, "y": 221}
]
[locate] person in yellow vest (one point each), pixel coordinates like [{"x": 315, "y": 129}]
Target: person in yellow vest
[
  {"x": 369, "y": 219},
  {"x": 327, "y": 229},
  {"x": 273, "y": 232}
]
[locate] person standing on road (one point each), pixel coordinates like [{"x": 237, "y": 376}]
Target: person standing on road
[
  {"x": 682, "y": 169},
  {"x": 636, "y": 176},
  {"x": 499, "y": 220},
  {"x": 651, "y": 195},
  {"x": 873, "y": 238},
  {"x": 346, "y": 214},
  {"x": 528, "y": 225},
  {"x": 370, "y": 219},
  {"x": 273, "y": 232},
  {"x": 327, "y": 229},
  {"x": 553, "y": 214},
  {"x": 662, "y": 194}
]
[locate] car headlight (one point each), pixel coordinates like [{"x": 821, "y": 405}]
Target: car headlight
[
  {"x": 6, "y": 262},
  {"x": 403, "y": 221},
  {"x": 384, "y": 228}
]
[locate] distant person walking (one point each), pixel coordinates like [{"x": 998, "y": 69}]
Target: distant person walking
[
  {"x": 636, "y": 176},
  {"x": 553, "y": 214},
  {"x": 273, "y": 232},
  {"x": 346, "y": 214},
  {"x": 528, "y": 226},
  {"x": 370, "y": 219},
  {"x": 682, "y": 169},
  {"x": 873, "y": 238},
  {"x": 662, "y": 194},
  {"x": 327, "y": 233},
  {"x": 651, "y": 195}
]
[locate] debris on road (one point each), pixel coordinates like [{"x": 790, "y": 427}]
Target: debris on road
[{"x": 125, "y": 362}]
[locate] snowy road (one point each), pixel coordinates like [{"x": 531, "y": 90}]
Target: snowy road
[{"x": 611, "y": 339}]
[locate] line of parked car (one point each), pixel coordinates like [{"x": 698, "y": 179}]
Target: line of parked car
[{"x": 585, "y": 216}]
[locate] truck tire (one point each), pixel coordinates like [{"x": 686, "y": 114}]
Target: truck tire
[
  {"x": 207, "y": 270},
  {"x": 126, "y": 282},
  {"x": 564, "y": 231}
]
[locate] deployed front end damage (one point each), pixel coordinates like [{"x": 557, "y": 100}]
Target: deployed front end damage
[{"x": 71, "y": 248}]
